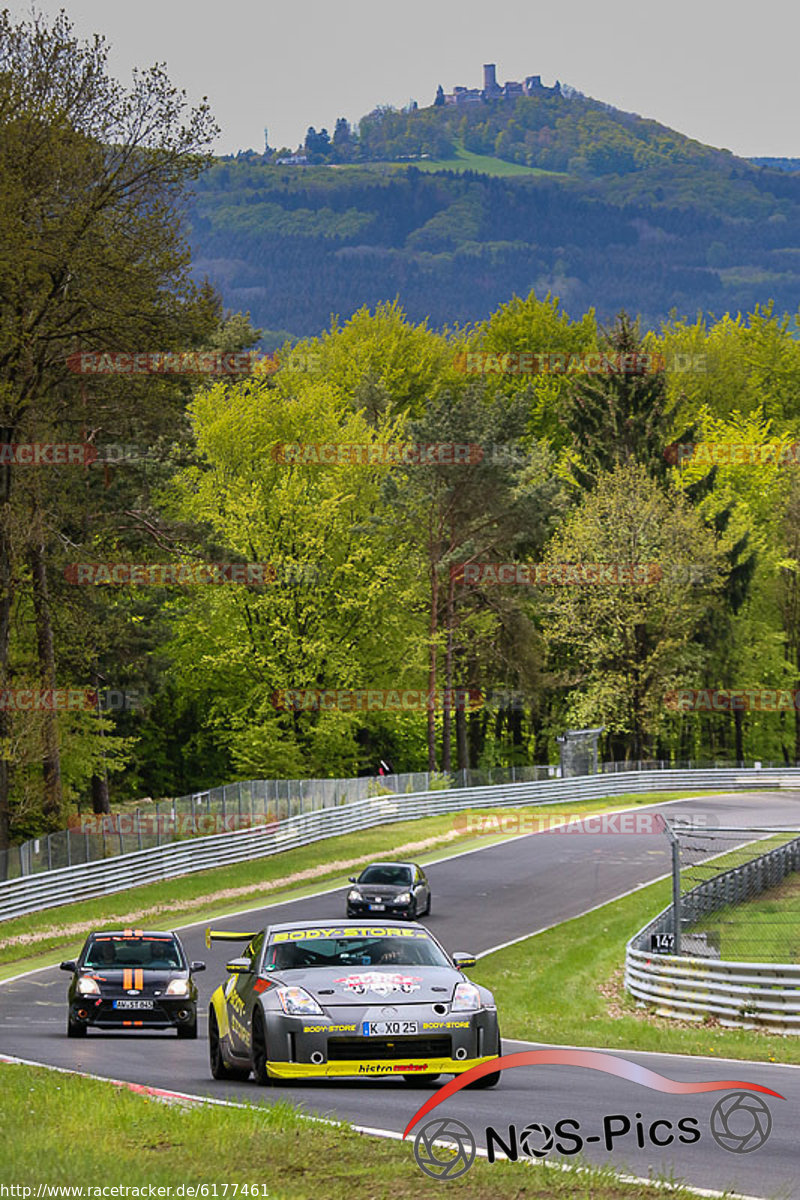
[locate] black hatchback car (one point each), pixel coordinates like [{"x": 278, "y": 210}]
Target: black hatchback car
[
  {"x": 132, "y": 980},
  {"x": 396, "y": 889}
]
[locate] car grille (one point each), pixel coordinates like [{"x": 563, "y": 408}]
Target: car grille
[{"x": 349, "y": 1049}]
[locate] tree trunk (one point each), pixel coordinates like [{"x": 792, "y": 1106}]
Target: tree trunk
[
  {"x": 432, "y": 659},
  {"x": 6, "y": 595},
  {"x": 448, "y": 678},
  {"x": 738, "y": 733},
  {"x": 52, "y": 799},
  {"x": 462, "y": 741}
]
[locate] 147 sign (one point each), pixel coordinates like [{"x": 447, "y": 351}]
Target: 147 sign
[{"x": 662, "y": 943}]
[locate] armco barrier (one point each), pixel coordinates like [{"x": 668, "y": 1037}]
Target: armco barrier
[
  {"x": 47, "y": 889},
  {"x": 737, "y": 994}
]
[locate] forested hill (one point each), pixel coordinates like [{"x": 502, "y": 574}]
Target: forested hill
[{"x": 550, "y": 193}]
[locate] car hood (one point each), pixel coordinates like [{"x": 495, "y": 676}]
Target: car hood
[
  {"x": 381, "y": 891},
  {"x": 355, "y": 984},
  {"x": 125, "y": 979}
]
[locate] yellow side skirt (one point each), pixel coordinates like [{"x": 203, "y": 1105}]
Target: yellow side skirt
[{"x": 371, "y": 1068}]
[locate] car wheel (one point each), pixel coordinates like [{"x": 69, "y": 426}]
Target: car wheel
[
  {"x": 419, "y": 1081},
  {"x": 412, "y": 911},
  {"x": 492, "y": 1080},
  {"x": 76, "y": 1029},
  {"x": 428, "y": 909},
  {"x": 188, "y": 1031},
  {"x": 218, "y": 1068},
  {"x": 260, "y": 1071}
]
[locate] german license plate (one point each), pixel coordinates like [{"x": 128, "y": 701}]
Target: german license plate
[
  {"x": 377, "y": 907},
  {"x": 134, "y": 1004},
  {"x": 389, "y": 1028}
]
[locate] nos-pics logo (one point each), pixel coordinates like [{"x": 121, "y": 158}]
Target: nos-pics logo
[{"x": 445, "y": 1148}]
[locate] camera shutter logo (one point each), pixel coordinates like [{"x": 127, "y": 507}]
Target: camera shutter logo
[
  {"x": 536, "y": 1140},
  {"x": 740, "y": 1122},
  {"x": 449, "y": 1160}
]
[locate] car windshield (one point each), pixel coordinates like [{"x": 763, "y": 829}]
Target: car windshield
[
  {"x": 300, "y": 949},
  {"x": 153, "y": 953},
  {"x": 386, "y": 874}
]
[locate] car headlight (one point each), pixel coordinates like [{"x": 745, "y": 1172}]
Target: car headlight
[
  {"x": 466, "y": 998},
  {"x": 296, "y": 1002},
  {"x": 354, "y": 894},
  {"x": 88, "y": 986},
  {"x": 178, "y": 987},
  {"x": 403, "y": 898}
]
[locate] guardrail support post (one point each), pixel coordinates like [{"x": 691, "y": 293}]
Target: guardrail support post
[{"x": 676, "y": 888}]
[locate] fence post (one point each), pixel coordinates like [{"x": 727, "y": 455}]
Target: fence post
[
  {"x": 139, "y": 827},
  {"x": 158, "y": 824},
  {"x": 69, "y": 850},
  {"x": 676, "y": 889},
  {"x": 49, "y": 854}
]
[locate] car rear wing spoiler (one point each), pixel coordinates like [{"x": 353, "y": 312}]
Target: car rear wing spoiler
[{"x": 227, "y": 935}]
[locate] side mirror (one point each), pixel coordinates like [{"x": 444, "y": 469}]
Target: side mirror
[
  {"x": 351, "y": 878},
  {"x": 197, "y": 966},
  {"x": 70, "y": 965},
  {"x": 239, "y": 966},
  {"x": 462, "y": 961}
]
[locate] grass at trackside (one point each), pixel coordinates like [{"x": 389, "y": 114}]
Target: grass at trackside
[
  {"x": 32, "y": 941},
  {"x": 565, "y": 986},
  {"x": 87, "y": 1132},
  {"x": 765, "y": 929}
]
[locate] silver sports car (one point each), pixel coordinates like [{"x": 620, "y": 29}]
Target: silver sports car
[{"x": 316, "y": 999}]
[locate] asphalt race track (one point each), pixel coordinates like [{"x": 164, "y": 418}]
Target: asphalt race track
[{"x": 480, "y": 900}]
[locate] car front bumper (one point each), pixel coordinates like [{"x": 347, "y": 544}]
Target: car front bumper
[
  {"x": 165, "y": 1014},
  {"x": 337, "y": 1045}
]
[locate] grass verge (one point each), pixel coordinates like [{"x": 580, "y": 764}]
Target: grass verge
[
  {"x": 31, "y": 941},
  {"x": 89, "y": 1133},
  {"x": 565, "y": 986}
]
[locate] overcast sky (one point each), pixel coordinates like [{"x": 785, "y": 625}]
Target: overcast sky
[{"x": 720, "y": 71}]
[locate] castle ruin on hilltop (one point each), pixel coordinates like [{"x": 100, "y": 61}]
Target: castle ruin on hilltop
[{"x": 492, "y": 90}]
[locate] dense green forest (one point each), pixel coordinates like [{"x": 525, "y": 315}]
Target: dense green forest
[
  {"x": 610, "y": 210},
  {"x": 563, "y": 446}
]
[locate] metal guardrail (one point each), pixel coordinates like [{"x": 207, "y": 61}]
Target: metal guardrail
[
  {"x": 738, "y": 994},
  {"x": 86, "y": 880},
  {"x": 238, "y": 805}
]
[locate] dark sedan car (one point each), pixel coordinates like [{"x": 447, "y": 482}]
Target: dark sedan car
[
  {"x": 132, "y": 980},
  {"x": 397, "y": 889}
]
